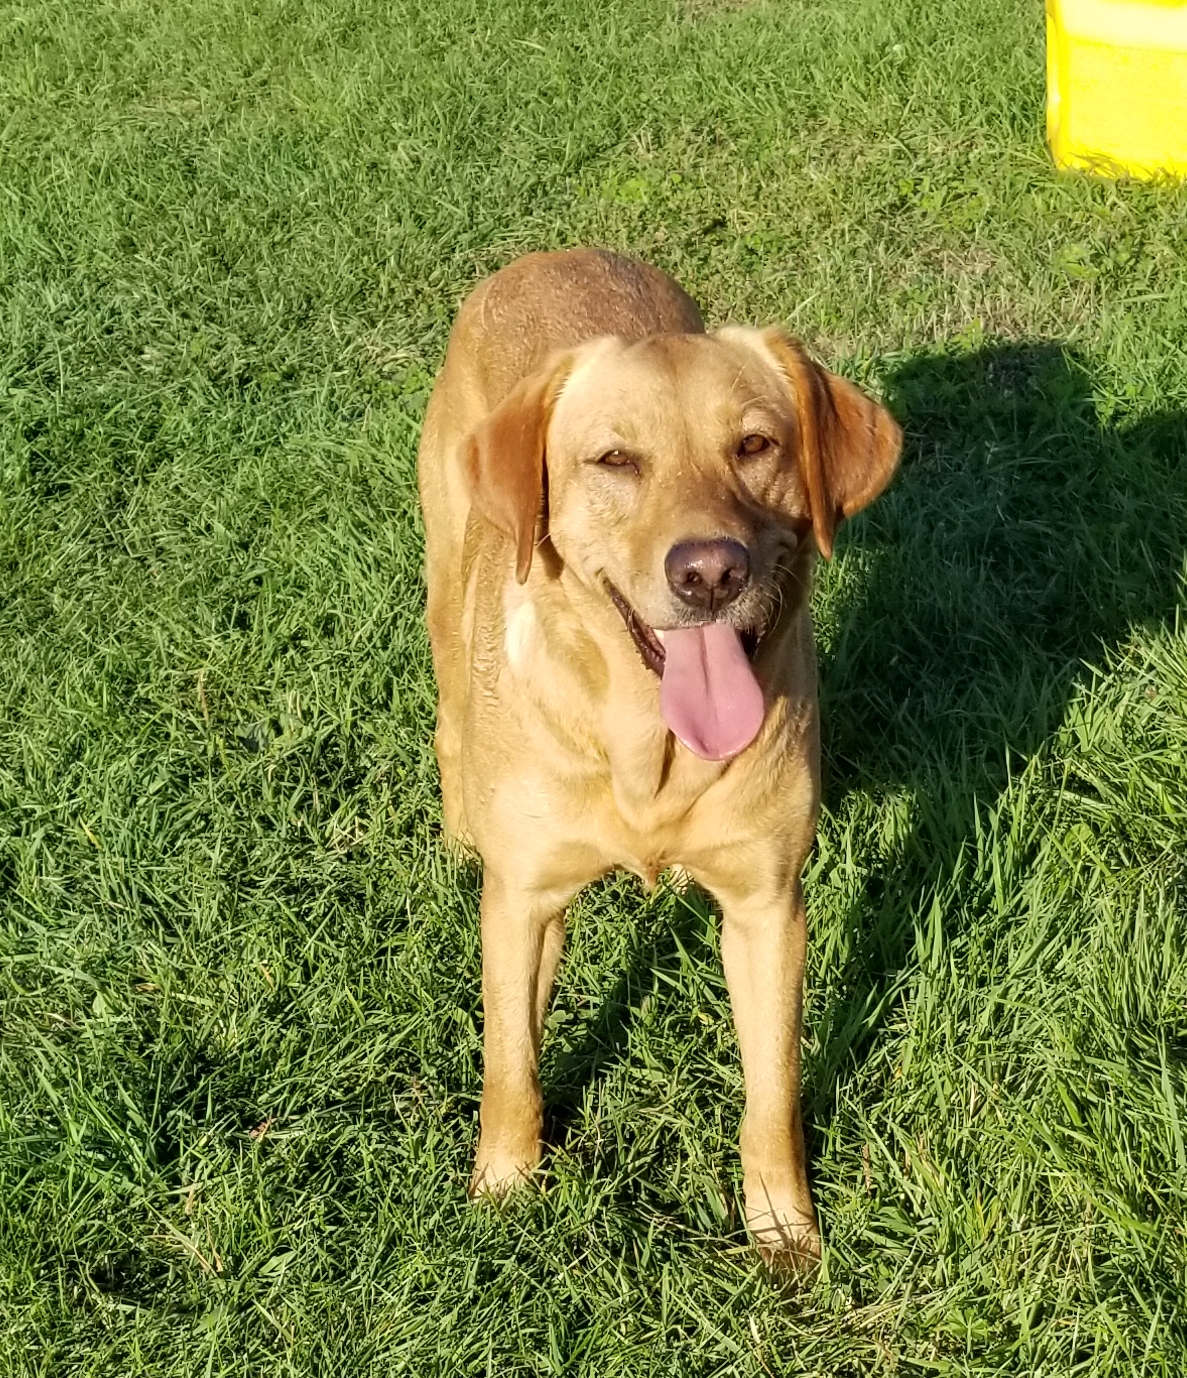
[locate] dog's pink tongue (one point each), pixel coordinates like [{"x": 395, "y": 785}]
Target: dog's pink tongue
[{"x": 709, "y": 696}]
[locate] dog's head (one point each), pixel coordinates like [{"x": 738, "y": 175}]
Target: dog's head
[{"x": 679, "y": 475}]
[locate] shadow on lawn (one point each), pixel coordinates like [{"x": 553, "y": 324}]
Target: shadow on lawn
[
  {"x": 1021, "y": 543},
  {"x": 1022, "y": 539}
]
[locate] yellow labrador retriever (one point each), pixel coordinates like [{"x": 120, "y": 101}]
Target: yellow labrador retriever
[{"x": 621, "y": 515}]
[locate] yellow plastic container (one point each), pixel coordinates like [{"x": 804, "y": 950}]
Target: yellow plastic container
[{"x": 1117, "y": 85}]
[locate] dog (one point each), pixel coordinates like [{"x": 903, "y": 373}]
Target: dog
[{"x": 622, "y": 514}]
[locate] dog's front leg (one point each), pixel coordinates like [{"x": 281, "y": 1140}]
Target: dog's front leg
[
  {"x": 523, "y": 933},
  {"x": 763, "y": 940}
]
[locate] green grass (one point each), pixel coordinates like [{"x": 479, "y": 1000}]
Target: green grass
[{"x": 240, "y": 1055}]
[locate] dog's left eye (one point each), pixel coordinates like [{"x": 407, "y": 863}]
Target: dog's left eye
[
  {"x": 618, "y": 459},
  {"x": 754, "y": 445}
]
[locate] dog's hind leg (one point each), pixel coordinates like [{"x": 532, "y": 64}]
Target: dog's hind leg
[
  {"x": 448, "y": 743},
  {"x": 449, "y": 667}
]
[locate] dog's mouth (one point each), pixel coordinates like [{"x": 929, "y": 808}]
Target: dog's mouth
[
  {"x": 650, "y": 643},
  {"x": 650, "y": 647},
  {"x": 709, "y": 696}
]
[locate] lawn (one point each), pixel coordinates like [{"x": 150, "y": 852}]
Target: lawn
[{"x": 240, "y": 1039}]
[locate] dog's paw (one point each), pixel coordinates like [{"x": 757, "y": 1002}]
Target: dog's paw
[
  {"x": 679, "y": 879},
  {"x": 498, "y": 1172},
  {"x": 787, "y": 1240}
]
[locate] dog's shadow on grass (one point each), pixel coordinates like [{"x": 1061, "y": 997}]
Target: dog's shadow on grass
[
  {"x": 660, "y": 946},
  {"x": 1025, "y": 538}
]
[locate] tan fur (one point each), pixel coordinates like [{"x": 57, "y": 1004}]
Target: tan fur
[{"x": 555, "y": 762}]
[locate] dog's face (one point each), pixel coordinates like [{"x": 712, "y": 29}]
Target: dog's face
[
  {"x": 672, "y": 479},
  {"x": 680, "y": 475}
]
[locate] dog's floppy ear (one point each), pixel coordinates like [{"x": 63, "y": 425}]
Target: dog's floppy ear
[
  {"x": 849, "y": 444},
  {"x": 504, "y": 459}
]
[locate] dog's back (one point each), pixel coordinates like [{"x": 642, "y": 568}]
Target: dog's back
[{"x": 505, "y": 330}]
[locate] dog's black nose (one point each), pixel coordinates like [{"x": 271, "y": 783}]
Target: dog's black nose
[{"x": 708, "y": 574}]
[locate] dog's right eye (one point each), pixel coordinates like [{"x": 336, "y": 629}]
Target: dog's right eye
[
  {"x": 618, "y": 459},
  {"x": 754, "y": 445}
]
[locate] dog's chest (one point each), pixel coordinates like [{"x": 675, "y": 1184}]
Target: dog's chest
[{"x": 667, "y": 812}]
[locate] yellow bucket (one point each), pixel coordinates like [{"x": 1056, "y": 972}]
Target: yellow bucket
[{"x": 1117, "y": 86}]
